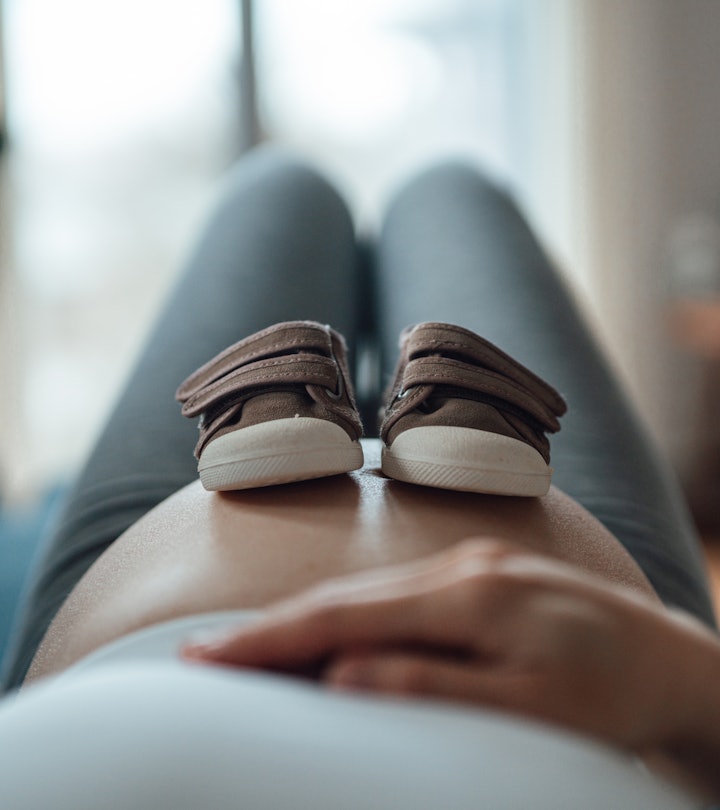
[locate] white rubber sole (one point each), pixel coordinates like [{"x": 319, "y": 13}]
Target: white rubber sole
[
  {"x": 467, "y": 460},
  {"x": 278, "y": 452}
]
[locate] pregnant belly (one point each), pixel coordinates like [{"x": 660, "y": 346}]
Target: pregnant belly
[{"x": 199, "y": 551}]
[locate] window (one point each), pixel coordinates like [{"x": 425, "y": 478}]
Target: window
[{"x": 370, "y": 90}]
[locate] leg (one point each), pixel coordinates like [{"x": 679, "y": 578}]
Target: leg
[
  {"x": 456, "y": 249},
  {"x": 279, "y": 247}
]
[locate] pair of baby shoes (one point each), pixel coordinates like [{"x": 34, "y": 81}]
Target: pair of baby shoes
[{"x": 461, "y": 414}]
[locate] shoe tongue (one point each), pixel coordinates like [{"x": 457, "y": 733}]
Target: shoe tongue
[
  {"x": 451, "y": 410},
  {"x": 442, "y": 409}
]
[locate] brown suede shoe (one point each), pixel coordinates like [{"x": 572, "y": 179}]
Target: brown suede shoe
[
  {"x": 276, "y": 407},
  {"x": 464, "y": 415}
]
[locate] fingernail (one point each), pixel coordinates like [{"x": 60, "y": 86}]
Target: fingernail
[
  {"x": 207, "y": 642},
  {"x": 194, "y": 652},
  {"x": 206, "y": 646}
]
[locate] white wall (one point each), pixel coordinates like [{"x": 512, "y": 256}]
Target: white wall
[
  {"x": 645, "y": 135},
  {"x": 2, "y": 75}
]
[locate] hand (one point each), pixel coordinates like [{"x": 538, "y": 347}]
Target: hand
[{"x": 492, "y": 624}]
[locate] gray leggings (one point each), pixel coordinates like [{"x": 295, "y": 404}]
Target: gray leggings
[{"x": 281, "y": 246}]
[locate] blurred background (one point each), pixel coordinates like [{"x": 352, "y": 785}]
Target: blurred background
[{"x": 119, "y": 118}]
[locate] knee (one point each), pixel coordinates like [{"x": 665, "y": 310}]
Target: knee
[
  {"x": 272, "y": 172},
  {"x": 454, "y": 181}
]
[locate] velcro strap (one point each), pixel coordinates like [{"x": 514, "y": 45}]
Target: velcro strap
[
  {"x": 300, "y": 368},
  {"x": 295, "y": 336},
  {"x": 446, "y": 371},
  {"x": 441, "y": 338}
]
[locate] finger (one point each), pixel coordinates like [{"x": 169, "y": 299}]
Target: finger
[
  {"x": 318, "y": 630},
  {"x": 421, "y": 675},
  {"x": 422, "y": 603},
  {"x": 533, "y": 697},
  {"x": 415, "y": 604}
]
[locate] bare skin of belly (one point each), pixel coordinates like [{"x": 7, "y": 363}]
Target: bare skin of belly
[{"x": 199, "y": 551}]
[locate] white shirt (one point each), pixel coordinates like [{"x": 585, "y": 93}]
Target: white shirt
[{"x": 132, "y": 726}]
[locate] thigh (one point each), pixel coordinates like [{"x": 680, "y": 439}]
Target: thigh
[
  {"x": 279, "y": 246},
  {"x": 456, "y": 248}
]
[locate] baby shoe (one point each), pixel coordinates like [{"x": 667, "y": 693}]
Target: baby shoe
[
  {"x": 464, "y": 415},
  {"x": 276, "y": 407}
]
